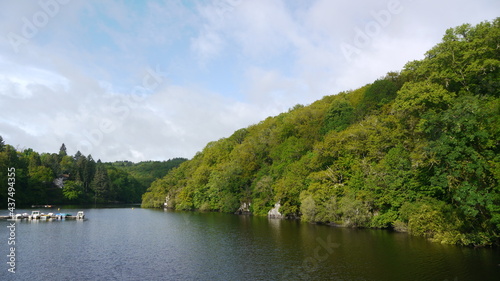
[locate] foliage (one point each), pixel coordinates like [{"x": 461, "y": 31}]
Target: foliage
[
  {"x": 355, "y": 213},
  {"x": 72, "y": 190},
  {"x": 339, "y": 116},
  {"x": 376, "y": 95}
]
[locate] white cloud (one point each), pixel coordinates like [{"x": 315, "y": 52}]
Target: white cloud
[
  {"x": 272, "y": 92},
  {"x": 208, "y": 45}
]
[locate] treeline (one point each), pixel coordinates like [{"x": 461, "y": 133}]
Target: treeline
[
  {"x": 417, "y": 151},
  {"x": 58, "y": 178}
]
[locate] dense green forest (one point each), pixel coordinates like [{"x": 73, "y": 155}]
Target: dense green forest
[
  {"x": 416, "y": 151},
  {"x": 58, "y": 178}
]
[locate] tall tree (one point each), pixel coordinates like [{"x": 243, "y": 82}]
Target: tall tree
[
  {"x": 89, "y": 171},
  {"x": 78, "y": 155},
  {"x": 67, "y": 165},
  {"x": 100, "y": 183},
  {"x": 62, "y": 151},
  {"x": 2, "y": 144},
  {"x": 51, "y": 161}
]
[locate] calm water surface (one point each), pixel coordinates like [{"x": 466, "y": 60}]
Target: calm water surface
[{"x": 145, "y": 244}]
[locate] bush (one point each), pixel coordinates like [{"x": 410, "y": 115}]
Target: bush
[
  {"x": 400, "y": 226},
  {"x": 384, "y": 220},
  {"x": 307, "y": 208},
  {"x": 354, "y": 212},
  {"x": 434, "y": 220},
  {"x": 205, "y": 206}
]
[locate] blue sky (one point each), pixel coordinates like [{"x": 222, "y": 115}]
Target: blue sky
[{"x": 153, "y": 80}]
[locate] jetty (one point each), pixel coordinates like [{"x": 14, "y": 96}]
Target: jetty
[{"x": 36, "y": 215}]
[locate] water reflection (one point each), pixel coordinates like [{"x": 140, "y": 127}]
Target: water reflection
[{"x": 142, "y": 244}]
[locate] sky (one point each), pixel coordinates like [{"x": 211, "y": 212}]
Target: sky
[{"x": 155, "y": 80}]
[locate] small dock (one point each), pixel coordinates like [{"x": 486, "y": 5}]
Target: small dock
[{"x": 36, "y": 215}]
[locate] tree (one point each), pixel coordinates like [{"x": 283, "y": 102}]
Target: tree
[
  {"x": 51, "y": 160},
  {"x": 67, "y": 165},
  {"x": 416, "y": 98},
  {"x": 100, "y": 183},
  {"x": 62, "y": 151},
  {"x": 73, "y": 190},
  {"x": 354, "y": 212},
  {"x": 89, "y": 171},
  {"x": 339, "y": 116},
  {"x": 78, "y": 155},
  {"x": 34, "y": 161},
  {"x": 308, "y": 207},
  {"x": 379, "y": 93},
  {"x": 2, "y": 144},
  {"x": 40, "y": 180},
  {"x": 465, "y": 152},
  {"x": 466, "y": 61},
  {"x": 85, "y": 170}
]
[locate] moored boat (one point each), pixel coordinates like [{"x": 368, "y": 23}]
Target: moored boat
[
  {"x": 34, "y": 215},
  {"x": 61, "y": 216},
  {"x": 80, "y": 215},
  {"x": 45, "y": 217}
]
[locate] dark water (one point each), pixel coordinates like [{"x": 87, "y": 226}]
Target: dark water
[{"x": 144, "y": 244}]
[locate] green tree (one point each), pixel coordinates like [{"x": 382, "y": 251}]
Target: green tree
[
  {"x": 416, "y": 98},
  {"x": 339, "y": 116},
  {"x": 2, "y": 144},
  {"x": 376, "y": 95},
  {"x": 62, "y": 151},
  {"x": 308, "y": 207},
  {"x": 67, "y": 165},
  {"x": 73, "y": 190},
  {"x": 100, "y": 183},
  {"x": 51, "y": 160},
  {"x": 39, "y": 181},
  {"x": 354, "y": 212}
]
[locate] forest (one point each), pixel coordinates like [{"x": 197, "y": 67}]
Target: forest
[
  {"x": 58, "y": 178},
  {"x": 415, "y": 151}
]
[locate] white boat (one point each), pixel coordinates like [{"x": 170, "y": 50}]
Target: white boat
[
  {"x": 80, "y": 215},
  {"x": 34, "y": 215}
]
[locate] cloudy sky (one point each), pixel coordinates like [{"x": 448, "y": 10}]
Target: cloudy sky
[{"x": 154, "y": 80}]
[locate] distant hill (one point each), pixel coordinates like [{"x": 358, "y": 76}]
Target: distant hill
[
  {"x": 145, "y": 172},
  {"x": 416, "y": 151}
]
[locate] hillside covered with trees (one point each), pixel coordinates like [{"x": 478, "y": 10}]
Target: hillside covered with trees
[
  {"x": 58, "y": 178},
  {"x": 416, "y": 151}
]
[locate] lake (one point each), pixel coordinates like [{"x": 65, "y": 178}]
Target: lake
[{"x": 146, "y": 244}]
